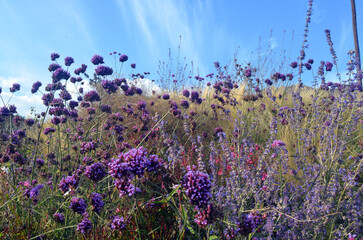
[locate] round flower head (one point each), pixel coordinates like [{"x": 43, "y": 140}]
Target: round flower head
[
  {"x": 36, "y": 87},
  {"x": 118, "y": 223},
  {"x": 96, "y": 172},
  {"x": 184, "y": 103},
  {"x": 102, "y": 70},
  {"x": 85, "y": 226},
  {"x": 328, "y": 66},
  {"x": 197, "y": 187},
  {"x": 68, "y": 61},
  {"x": 97, "y": 202},
  {"x": 53, "y": 66},
  {"x": 194, "y": 96},
  {"x": 78, "y": 205},
  {"x": 15, "y": 87},
  {"x": 97, "y": 59},
  {"x": 92, "y": 96},
  {"x": 123, "y": 58},
  {"x": 54, "y": 56},
  {"x": 133, "y": 65},
  {"x": 166, "y": 96}
]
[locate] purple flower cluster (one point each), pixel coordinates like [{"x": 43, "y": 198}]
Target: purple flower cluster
[
  {"x": 118, "y": 223},
  {"x": 53, "y": 66},
  {"x": 60, "y": 74},
  {"x": 68, "y": 182},
  {"x": 15, "y": 87},
  {"x": 197, "y": 187},
  {"x": 85, "y": 226},
  {"x": 78, "y": 205},
  {"x": 68, "y": 61},
  {"x": 97, "y": 202},
  {"x": 92, "y": 96},
  {"x": 123, "y": 58},
  {"x": 54, "y": 56},
  {"x": 102, "y": 70},
  {"x": 36, "y": 87},
  {"x": 97, "y": 59},
  {"x": 80, "y": 70},
  {"x": 109, "y": 86},
  {"x": 96, "y": 171},
  {"x": 130, "y": 164}
]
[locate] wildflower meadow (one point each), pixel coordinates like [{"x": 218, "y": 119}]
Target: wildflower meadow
[{"x": 241, "y": 154}]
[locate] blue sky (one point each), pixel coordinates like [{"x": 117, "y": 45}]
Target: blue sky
[{"x": 145, "y": 30}]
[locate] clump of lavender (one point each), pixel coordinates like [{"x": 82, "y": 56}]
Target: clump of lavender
[
  {"x": 118, "y": 223},
  {"x": 85, "y": 226},
  {"x": 78, "y": 205},
  {"x": 68, "y": 182},
  {"x": 97, "y": 202},
  {"x": 197, "y": 187},
  {"x": 96, "y": 171}
]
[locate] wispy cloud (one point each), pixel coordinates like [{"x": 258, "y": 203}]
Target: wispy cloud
[{"x": 162, "y": 23}]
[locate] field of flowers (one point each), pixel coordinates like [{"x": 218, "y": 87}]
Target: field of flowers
[{"x": 241, "y": 157}]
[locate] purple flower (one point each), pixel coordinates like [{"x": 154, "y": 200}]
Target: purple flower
[
  {"x": 29, "y": 122},
  {"x": 268, "y": 82},
  {"x": 186, "y": 93},
  {"x": 311, "y": 61},
  {"x": 54, "y": 56},
  {"x": 308, "y": 66},
  {"x": 47, "y": 98},
  {"x": 12, "y": 109},
  {"x": 97, "y": 59},
  {"x": 78, "y": 205},
  {"x": 36, "y": 87},
  {"x": 59, "y": 217},
  {"x": 97, "y": 202},
  {"x": 328, "y": 66},
  {"x": 106, "y": 108},
  {"x": 73, "y": 104},
  {"x": 65, "y": 95},
  {"x": 48, "y": 130},
  {"x": 67, "y": 182},
  {"x": 132, "y": 161},
  {"x": 248, "y": 72},
  {"x": 109, "y": 86},
  {"x": 125, "y": 187},
  {"x": 194, "y": 96},
  {"x": 34, "y": 192},
  {"x": 39, "y": 162},
  {"x": 278, "y": 143},
  {"x": 293, "y": 64},
  {"x": 118, "y": 223},
  {"x": 15, "y": 87},
  {"x": 123, "y": 58},
  {"x": 184, "y": 103},
  {"x": 133, "y": 65},
  {"x": 53, "y": 66},
  {"x": 153, "y": 163},
  {"x": 102, "y": 70},
  {"x": 96, "y": 172},
  {"x": 166, "y": 96},
  {"x": 92, "y": 96},
  {"x": 141, "y": 105},
  {"x": 197, "y": 187},
  {"x": 68, "y": 61},
  {"x": 60, "y": 74},
  {"x": 4, "y": 111},
  {"x": 84, "y": 226},
  {"x": 80, "y": 70}
]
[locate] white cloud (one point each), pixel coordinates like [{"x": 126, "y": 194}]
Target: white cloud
[{"x": 146, "y": 85}]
